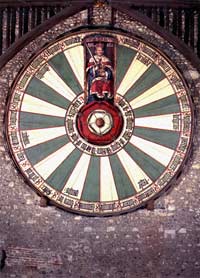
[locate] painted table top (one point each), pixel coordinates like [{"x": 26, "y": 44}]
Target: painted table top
[{"x": 99, "y": 122}]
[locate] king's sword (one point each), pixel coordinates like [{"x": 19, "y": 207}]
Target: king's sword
[{"x": 92, "y": 56}]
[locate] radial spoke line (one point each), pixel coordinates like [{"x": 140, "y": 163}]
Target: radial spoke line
[
  {"x": 160, "y": 90},
  {"x": 133, "y": 170},
  {"x": 30, "y": 121},
  {"x": 38, "y": 136},
  {"x": 151, "y": 77},
  {"x": 108, "y": 190},
  {"x": 125, "y": 56},
  {"x": 46, "y": 166},
  {"x": 62, "y": 67},
  {"x": 150, "y": 166},
  {"x": 75, "y": 57},
  {"x": 53, "y": 80},
  {"x": 77, "y": 178},
  {"x": 91, "y": 186},
  {"x": 34, "y": 105},
  {"x": 122, "y": 182},
  {"x": 159, "y": 122},
  {"x": 59, "y": 177},
  {"x": 134, "y": 72},
  {"x": 167, "y": 105},
  {"x": 39, "y": 152},
  {"x": 40, "y": 90},
  {"x": 160, "y": 153},
  {"x": 163, "y": 137}
]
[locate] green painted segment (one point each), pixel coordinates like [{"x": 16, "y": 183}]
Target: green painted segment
[
  {"x": 150, "y": 78},
  {"x": 36, "y": 121},
  {"x": 40, "y": 151},
  {"x": 91, "y": 187},
  {"x": 125, "y": 57},
  {"x": 61, "y": 65},
  {"x": 62, "y": 173},
  {"x": 163, "y": 137},
  {"x": 168, "y": 105},
  {"x": 148, "y": 164},
  {"x": 39, "y": 89},
  {"x": 122, "y": 182}
]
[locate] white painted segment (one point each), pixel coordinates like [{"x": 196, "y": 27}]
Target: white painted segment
[
  {"x": 77, "y": 178},
  {"x": 53, "y": 80},
  {"x": 38, "y": 136},
  {"x": 35, "y": 105},
  {"x": 158, "y": 152},
  {"x": 133, "y": 170},
  {"x": 107, "y": 184},
  {"x": 75, "y": 57},
  {"x": 134, "y": 72},
  {"x": 160, "y": 90},
  {"x": 160, "y": 122},
  {"x": 46, "y": 166}
]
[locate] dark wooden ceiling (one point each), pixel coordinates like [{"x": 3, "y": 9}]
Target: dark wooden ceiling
[{"x": 136, "y": 3}]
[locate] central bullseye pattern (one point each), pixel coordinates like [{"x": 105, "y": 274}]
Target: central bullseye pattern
[
  {"x": 99, "y": 128},
  {"x": 100, "y": 122}
]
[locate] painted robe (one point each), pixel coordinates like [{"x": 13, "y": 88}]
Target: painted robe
[{"x": 100, "y": 78}]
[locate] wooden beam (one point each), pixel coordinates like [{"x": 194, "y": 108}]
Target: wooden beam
[
  {"x": 13, "y": 25},
  {"x": 1, "y": 31},
  {"x": 8, "y": 27},
  {"x": 161, "y": 3},
  {"x": 38, "y": 3},
  {"x": 136, "y": 3},
  {"x": 198, "y": 33}
]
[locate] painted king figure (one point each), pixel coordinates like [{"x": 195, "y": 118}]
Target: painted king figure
[
  {"x": 99, "y": 120},
  {"x": 99, "y": 75}
]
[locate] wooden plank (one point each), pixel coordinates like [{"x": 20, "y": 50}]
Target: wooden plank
[
  {"x": 161, "y": 17},
  {"x": 25, "y": 20},
  {"x": 149, "y": 12},
  {"x": 58, "y": 9},
  {"x": 198, "y": 39},
  {"x": 20, "y": 22},
  {"x": 39, "y": 16},
  {"x": 174, "y": 22},
  {"x": 187, "y": 26},
  {"x": 32, "y": 17},
  {"x": 45, "y": 13},
  {"x": 8, "y": 28},
  {"x": 1, "y": 31},
  {"x": 155, "y": 14},
  {"x": 166, "y": 11},
  {"x": 13, "y": 24},
  {"x": 180, "y": 24},
  {"x": 192, "y": 29},
  {"x": 52, "y": 11}
]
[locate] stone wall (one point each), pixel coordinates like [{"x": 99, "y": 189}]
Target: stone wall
[{"x": 49, "y": 242}]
